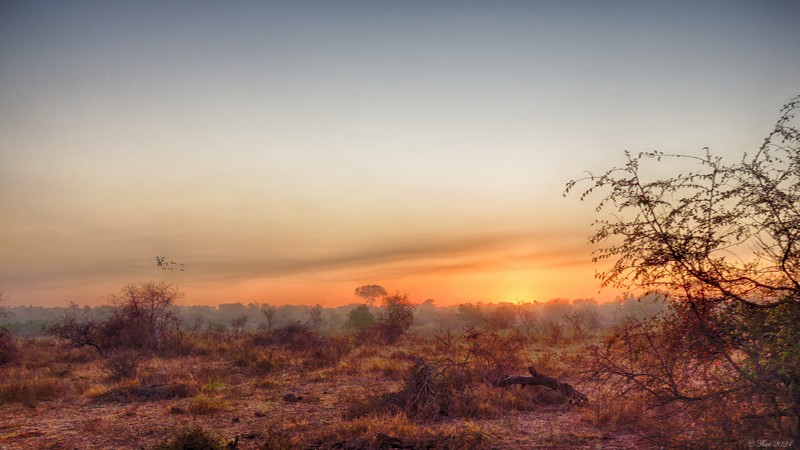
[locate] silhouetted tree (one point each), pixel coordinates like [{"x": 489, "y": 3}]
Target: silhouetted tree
[
  {"x": 370, "y": 293},
  {"x": 720, "y": 242}
]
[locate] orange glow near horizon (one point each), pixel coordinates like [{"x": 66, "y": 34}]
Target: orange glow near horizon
[
  {"x": 508, "y": 273},
  {"x": 450, "y": 282}
]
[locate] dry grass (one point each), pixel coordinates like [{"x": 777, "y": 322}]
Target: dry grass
[
  {"x": 203, "y": 404},
  {"x": 193, "y": 438},
  {"x": 24, "y": 387},
  {"x": 347, "y": 400}
]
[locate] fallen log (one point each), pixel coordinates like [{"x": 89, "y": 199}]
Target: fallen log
[{"x": 537, "y": 379}]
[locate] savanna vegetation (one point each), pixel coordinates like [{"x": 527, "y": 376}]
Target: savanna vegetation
[
  {"x": 705, "y": 354},
  {"x": 141, "y": 371}
]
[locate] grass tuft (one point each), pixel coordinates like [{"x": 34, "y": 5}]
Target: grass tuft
[
  {"x": 202, "y": 405},
  {"x": 24, "y": 388}
]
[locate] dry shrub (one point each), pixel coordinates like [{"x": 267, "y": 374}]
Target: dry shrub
[
  {"x": 72, "y": 355},
  {"x": 619, "y": 413},
  {"x": 36, "y": 354},
  {"x": 316, "y": 351},
  {"x": 425, "y": 393},
  {"x": 494, "y": 355},
  {"x": 458, "y": 382},
  {"x": 23, "y": 387},
  {"x": 257, "y": 359},
  {"x": 122, "y": 363},
  {"x": 476, "y": 401},
  {"x": 429, "y": 392},
  {"x": 295, "y": 336},
  {"x": 676, "y": 397},
  {"x": 387, "y": 368},
  {"x": 328, "y": 353}
]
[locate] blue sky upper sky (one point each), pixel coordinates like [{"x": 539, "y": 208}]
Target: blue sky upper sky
[{"x": 291, "y": 151}]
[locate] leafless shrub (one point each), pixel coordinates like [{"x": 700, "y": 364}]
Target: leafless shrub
[
  {"x": 77, "y": 328},
  {"x": 583, "y": 321},
  {"x": 143, "y": 317},
  {"x": 494, "y": 355},
  {"x": 720, "y": 242}
]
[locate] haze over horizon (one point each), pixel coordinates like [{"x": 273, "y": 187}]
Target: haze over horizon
[{"x": 288, "y": 152}]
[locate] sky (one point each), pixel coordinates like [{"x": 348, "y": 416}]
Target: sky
[{"x": 289, "y": 152}]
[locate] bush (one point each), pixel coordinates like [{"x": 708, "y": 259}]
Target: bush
[
  {"x": 123, "y": 363},
  {"x": 328, "y": 353},
  {"x": 143, "y": 317},
  {"x": 359, "y": 319},
  {"x": 256, "y": 358},
  {"x": 295, "y": 336},
  {"x": 720, "y": 242},
  {"x": 396, "y": 317}
]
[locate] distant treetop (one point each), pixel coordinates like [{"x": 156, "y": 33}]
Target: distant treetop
[{"x": 370, "y": 293}]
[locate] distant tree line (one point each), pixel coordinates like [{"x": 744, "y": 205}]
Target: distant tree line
[{"x": 579, "y": 318}]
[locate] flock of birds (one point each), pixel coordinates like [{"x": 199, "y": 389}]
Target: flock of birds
[{"x": 161, "y": 261}]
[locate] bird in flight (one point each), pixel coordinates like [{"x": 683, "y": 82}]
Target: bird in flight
[{"x": 165, "y": 264}]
